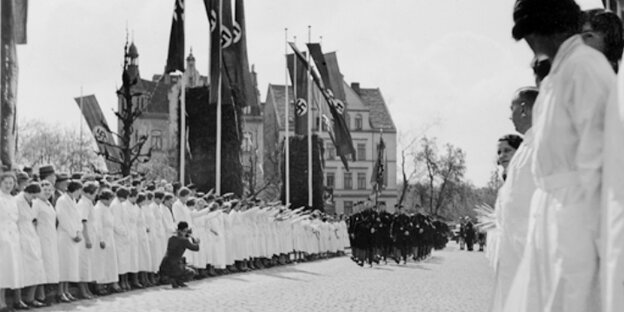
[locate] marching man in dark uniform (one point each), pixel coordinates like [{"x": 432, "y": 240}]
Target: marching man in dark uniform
[
  {"x": 173, "y": 265},
  {"x": 401, "y": 233}
]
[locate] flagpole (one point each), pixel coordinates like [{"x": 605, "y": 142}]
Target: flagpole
[
  {"x": 183, "y": 123},
  {"x": 286, "y": 115},
  {"x": 218, "y": 162},
  {"x": 81, "y": 142},
  {"x": 308, "y": 85}
]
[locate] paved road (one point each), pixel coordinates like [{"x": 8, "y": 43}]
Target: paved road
[{"x": 451, "y": 280}]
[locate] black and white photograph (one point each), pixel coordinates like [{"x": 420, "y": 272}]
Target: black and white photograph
[{"x": 299, "y": 155}]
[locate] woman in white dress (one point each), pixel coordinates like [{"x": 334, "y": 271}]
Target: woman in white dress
[
  {"x": 46, "y": 229},
  {"x": 105, "y": 265},
  {"x": 69, "y": 238},
  {"x": 122, "y": 240},
  {"x": 32, "y": 259},
  {"x": 152, "y": 219},
  {"x": 87, "y": 250},
  {"x": 132, "y": 218},
  {"x": 142, "y": 232},
  {"x": 514, "y": 199},
  {"x": 507, "y": 146},
  {"x": 10, "y": 248}
]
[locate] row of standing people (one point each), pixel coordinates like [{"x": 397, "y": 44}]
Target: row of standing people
[{"x": 112, "y": 238}]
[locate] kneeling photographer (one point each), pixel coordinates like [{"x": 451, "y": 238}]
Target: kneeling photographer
[{"x": 173, "y": 265}]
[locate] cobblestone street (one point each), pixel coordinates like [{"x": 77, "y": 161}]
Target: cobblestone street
[{"x": 450, "y": 280}]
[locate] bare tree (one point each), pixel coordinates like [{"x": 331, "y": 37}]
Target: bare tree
[
  {"x": 131, "y": 108},
  {"x": 406, "y": 153},
  {"x": 43, "y": 143},
  {"x": 443, "y": 173}
]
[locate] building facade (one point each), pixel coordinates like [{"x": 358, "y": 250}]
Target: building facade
[{"x": 368, "y": 119}]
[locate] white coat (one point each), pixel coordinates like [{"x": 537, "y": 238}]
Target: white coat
[
  {"x": 10, "y": 248},
  {"x": 70, "y": 225},
  {"x": 87, "y": 255},
  {"x": 568, "y": 128},
  {"x": 32, "y": 258},
  {"x": 105, "y": 265},
  {"x": 514, "y": 204},
  {"x": 46, "y": 229}
]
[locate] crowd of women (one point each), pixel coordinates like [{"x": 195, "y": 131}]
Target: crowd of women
[
  {"x": 558, "y": 245},
  {"x": 106, "y": 237}
]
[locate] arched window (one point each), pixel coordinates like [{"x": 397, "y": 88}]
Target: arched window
[
  {"x": 347, "y": 120},
  {"x": 157, "y": 142},
  {"x": 358, "y": 122}
]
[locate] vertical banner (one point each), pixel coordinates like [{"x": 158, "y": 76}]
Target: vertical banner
[
  {"x": 301, "y": 106},
  {"x": 341, "y": 134},
  {"x": 213, "y": 9},
  {"x": 175, "y": 56}
]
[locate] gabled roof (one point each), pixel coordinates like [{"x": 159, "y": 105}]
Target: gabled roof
[
  {"x": 380, "y": 117},
  {"x": 159, "y": 97}
]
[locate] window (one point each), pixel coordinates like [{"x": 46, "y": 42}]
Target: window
[
  {"x": 361, "y": 151},
  {"x": 331, "y": 151},
  {"x": 331, "y": 179},
  {"x": 157, "y": 144},
  {"x": 247, "y": 144},
  {"x": 348, "y": 181},
  {"x": 348, "y": 207},
  {"x": 361, "y": 180},
  {"x": 347, "y": 121},
  {"x": 358, "y": 122}
]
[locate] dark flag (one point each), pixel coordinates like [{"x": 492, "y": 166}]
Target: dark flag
[
  {"x": 12, "y": 32},
  {"x": 242, "y": 80},
  {"x": 341, "y": 134},
  {"x": 213, "y": 9},
  {"x": 175, "y": 58},
  {"x": 92, "y": 113},
  {"x": 302, "y": 107},
  {"x": 379, "y": 171}
]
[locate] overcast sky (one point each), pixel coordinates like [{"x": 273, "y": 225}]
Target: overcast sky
[{"x": 449, "y": 66}]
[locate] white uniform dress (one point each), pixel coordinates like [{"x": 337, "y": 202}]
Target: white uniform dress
[
  {"x": 105, "y": 264},
  {"x": 514, "y": 204},
  {"x": 122, "y": 239},
  {"x": 32, "y": 258},
  {"x": 46, "y": 229},
  {"x": 568, "y": 129},
  {"x": 10, "y": 247},
  {"x": 69, "y": 219},
  {"x": 87, "y": 256},
  {"x": 144, "y": 253},
  {"x": 612, "y": 230}
]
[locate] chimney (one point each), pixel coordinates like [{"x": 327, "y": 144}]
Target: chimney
[{"x": 356, "y": 87}]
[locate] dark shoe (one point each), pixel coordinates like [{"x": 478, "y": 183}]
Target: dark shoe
[
  {"x": 181, "y": 284},
  {"x": 20, "y": 305},
  {"x": 62, "y": 298},
  {"x": 36, "y": 304},
  {"x": 70, "y": 297},
  {"x": 137, "y": 285}
]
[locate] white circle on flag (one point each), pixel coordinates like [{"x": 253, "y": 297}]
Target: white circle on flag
[{"x": 301, "y": 107}]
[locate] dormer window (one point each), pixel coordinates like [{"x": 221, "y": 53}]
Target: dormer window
[{"x": 358, "y": 122}]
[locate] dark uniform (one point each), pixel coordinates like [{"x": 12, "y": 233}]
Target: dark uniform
[{"x": 173, "y": 264}]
